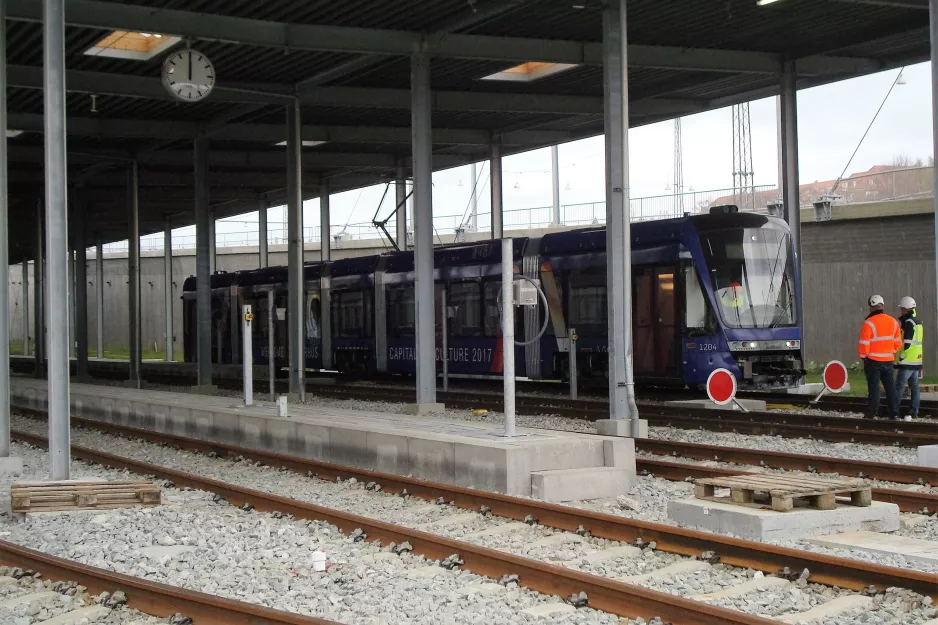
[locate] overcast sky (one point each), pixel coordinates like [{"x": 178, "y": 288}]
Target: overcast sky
[{"x": 831, "y": 121}]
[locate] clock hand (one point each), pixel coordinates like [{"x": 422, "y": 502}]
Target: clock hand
[{"x": 190, "y": 67}]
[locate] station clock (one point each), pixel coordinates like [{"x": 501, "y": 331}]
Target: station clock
[{"x": 188, "y": 75}]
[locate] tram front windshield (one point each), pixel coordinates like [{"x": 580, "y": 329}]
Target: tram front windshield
[{"x": 752, "y": 276}]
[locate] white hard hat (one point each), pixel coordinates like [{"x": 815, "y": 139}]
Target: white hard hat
[
  {"x": 876, "y": 300},
  {"x": 907, "y": 302}
]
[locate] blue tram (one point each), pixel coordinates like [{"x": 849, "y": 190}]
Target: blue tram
[{"x": 709, "y": 291}]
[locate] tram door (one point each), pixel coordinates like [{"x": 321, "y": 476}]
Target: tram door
[{"x": 654, "y": 328}]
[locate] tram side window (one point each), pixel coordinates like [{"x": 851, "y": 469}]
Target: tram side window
[
  {"x": 587, "y": 303},
  {"x": 466, "y": 299},
  {"x": 351, "y": 313},
  {"x": 401, "y": 320},
  {"x": 698, "y": 318},
  {"x": 492, "y": 319}
]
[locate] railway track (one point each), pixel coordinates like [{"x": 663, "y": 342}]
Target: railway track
[
  {"x": 151, "y": 597},
  {"x": 618, "y": 598}
]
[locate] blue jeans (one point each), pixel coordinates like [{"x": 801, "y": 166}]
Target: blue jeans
[
  {"x": 908, "y": 375},
  {"x": 877, "y": 372}
]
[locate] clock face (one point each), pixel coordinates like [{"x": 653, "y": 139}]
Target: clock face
[{"x": 188, "y": 75}]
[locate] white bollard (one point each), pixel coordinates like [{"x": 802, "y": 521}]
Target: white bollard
[
  {"x": 282, "y": 406},
  {"x": 247, "y": 362}
]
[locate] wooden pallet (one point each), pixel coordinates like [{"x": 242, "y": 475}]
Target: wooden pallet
[
  {"x": 784, "y": 490},
  {"x": 77, "y": 495}
]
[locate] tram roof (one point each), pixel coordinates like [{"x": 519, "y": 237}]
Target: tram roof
[{"x": 348, "y": 62}]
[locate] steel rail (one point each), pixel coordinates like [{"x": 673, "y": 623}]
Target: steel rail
[
  {"x": 900, "y": 473},
  {"x": 604, "y": 594},
  {"x": 151, "y": 597},
  {"x": 770, "y": 559}
]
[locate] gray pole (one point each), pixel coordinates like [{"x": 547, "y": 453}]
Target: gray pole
[
  {"x": 445, "y": 338},
  {"x": 133, "y": 273},
  {"x": 572, "y": 368},
  {"x": 325, "y": 218},
  {"x": 263, "y": 260},
  {"x": 780, "y": 141},
  {"x": 211, "y": 242},
  {"x": 81, "y": 288},
  {"x": 247, "y": 359},
  {"x": 271, "y": 373},
  {"x": 99, "y": 295},
  {"x": 56, "y": 236},
  {"x": 474, "y": 213},
  {"x": 25, "y": 307},
  {"x": 39, "y": 328},
  {"x": 508, "y": 333},
  {"x": 296, "y": 306},
  {"x": 791, "y": 190},
  {"x": 933, "y": 29},
  {"x": 618, "y": 249},
  {"x": 71, "y": 299},
  {"x": 423, "y": 228},
  {"x": 400, "y": 218},
  {"x": 4, "y": 251},
  {"x": 495, "y": 184},
  {"x": 555, "y": 184},
  {"x": 203, "y": 276},
  {"x": 168, "y": 288}
]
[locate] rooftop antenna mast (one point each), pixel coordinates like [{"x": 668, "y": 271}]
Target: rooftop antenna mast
[
  {"x": 678, "y": 170},
  {"x": 743, "y": 176}
]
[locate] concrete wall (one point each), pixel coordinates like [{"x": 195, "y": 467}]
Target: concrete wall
[{"x": 846, "y": 261}]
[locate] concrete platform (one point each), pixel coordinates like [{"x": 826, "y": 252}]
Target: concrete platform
[
  {"x": 928, "y": 455},
  {"x": 748, "y": 404},
  {"x": 765, "y": 525},
  {"x": 474, "y": 455},
  {"x": 912, "y": 549}
]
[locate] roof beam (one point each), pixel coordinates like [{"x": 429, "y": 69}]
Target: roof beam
[
  {"x": 262, "y": 33},
  {"x": 273, "y": 133}
]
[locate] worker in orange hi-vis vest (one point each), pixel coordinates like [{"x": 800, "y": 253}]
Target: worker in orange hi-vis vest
[{"x": 880, "y": 339}]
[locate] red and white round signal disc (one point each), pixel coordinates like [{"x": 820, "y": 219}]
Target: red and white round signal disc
[
  {"x": 835, "y": 376},
  {"x": 721, "y": 387}
]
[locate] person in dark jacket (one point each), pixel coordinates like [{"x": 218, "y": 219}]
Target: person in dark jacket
[{"x": 909, "y": 358}]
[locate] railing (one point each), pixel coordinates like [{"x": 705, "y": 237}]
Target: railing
[{"x": 900, "y": 183}]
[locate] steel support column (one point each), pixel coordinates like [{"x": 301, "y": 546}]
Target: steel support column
[
  {"x": 99, "y": 296},
  {"x": 555, "y": 185},
  {"x": 203, "y": 275},
  {"x": 39, "y": 278},
  {"x": 25, "y": 307},
  {"x": 495, "y": 185},
  {"x": 400, "y": 217},
  {"x": 295, "y": 316},
  {"x": 325, "y": 219},
  {"x": 618, "y": 238},
  {"x": 212, "y": 241},
  {"x": 81, "y": 287},
  {"x": 424, "y": 299},
  {"x": 474, "y": 200},
  {"x": 133, "y": 273},
  {"x": 263, "y": 259},
  {"x": 933, "y": 30},
  {"x": 168, "y": 289},
  {"x": 4, "y": 251},
  {"x": 56, "y": 236},
  {"x": 791, "y": 190}
]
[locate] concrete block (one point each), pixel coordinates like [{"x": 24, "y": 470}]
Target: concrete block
[
  {"x": 579, "y": 484},
  {"x": 912, "y": 549},
  {"x": 281, "y": 432},
  {"x": 227, "y": 427},
  {"x": 159, "y": 417},
  {"x": 178, "y": 418},
  {"x": 424, "y": 409},
  {"x": 389, "y": 452},
  {"x": 756, "y": 584},
  {"x": 928, "y": 456},
  {"x": 764, "y": 525},
  {"x": 758, "y": 405},
  {"x": 312, "y": 441},
  {"x": 350, "y": 447},
  {"x": 619, "y": 453},
  {"x": 481, "y": 467},
  {"x": 200, "y": 423},
  {"x": 678, "y": 568},
  {"x": 253, "y": 431},
  {"x": 568, "y": 454},
  {"x": 141, "y": 416},
  {"x": 432, "y": 460},
  {"x": 87, "y": 614},
  {"x": 621, "y": 427},
  {"x": 11, "y": 465}
]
